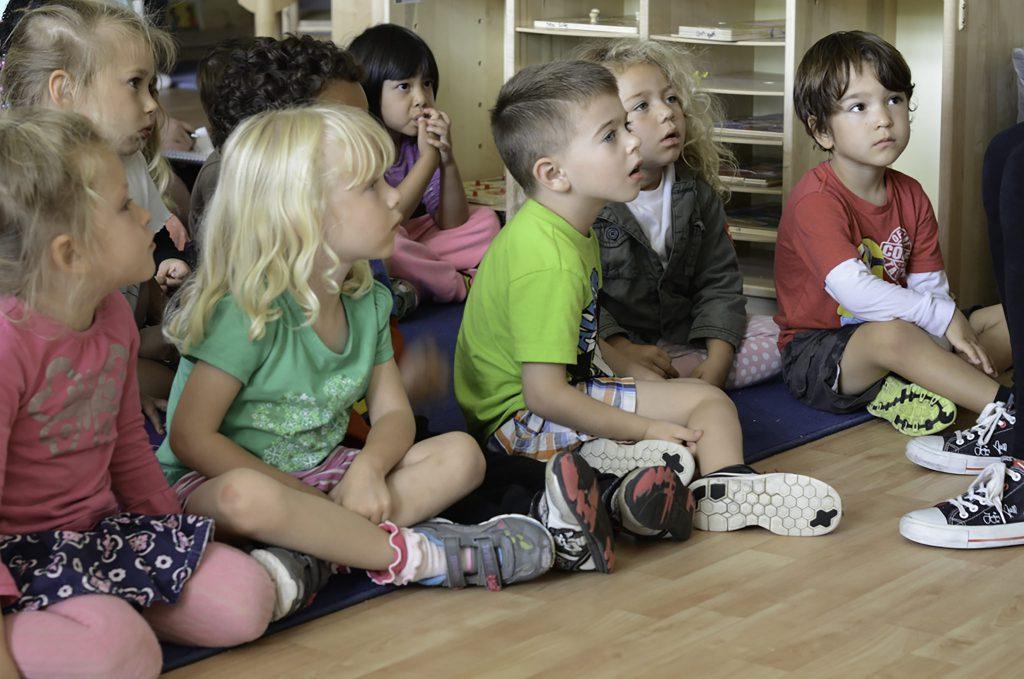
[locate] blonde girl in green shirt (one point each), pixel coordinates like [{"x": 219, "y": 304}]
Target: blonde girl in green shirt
[{"x": 281, "y": 330}]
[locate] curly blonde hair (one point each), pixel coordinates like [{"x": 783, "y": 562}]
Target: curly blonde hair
[
  {"x": 701, "y": 152},
  {"x": 264, "y": 228}
]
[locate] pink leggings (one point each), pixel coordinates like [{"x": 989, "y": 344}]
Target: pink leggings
[
  {"x": 228, "y": 601},
  {"x": 756, "y": 360},
  {"x": 433, "y": 259}
]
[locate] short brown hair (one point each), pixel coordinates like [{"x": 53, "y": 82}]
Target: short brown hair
[
  {"x": 534, "y": 114},
  {"x": 824, "y": 74}
]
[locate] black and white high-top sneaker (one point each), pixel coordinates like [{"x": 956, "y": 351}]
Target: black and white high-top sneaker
[
  {"x": 989, "y": 514},
  {"x": 650, "y": 502},
  {"x": 786, "y": 504},
  {"x": 967, "y": 451}
]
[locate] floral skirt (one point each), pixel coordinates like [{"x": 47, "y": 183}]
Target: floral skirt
[{"x": 141, "y": 559}]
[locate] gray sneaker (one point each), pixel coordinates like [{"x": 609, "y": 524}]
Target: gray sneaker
[
  {"x": 297, "y": 577},
  {"x": 509, "y": 548}
]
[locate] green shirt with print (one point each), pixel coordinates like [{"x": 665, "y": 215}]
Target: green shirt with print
[
  {"x": 293, "y": 407},
  {"x": 534, "y": 300}
]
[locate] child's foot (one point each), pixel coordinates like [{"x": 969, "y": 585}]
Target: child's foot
[
  {"x": 404, "y": 296},
  {"x": 507, "y": 549},
  {"x": 571, "y": 509},
  {"x": 614, "y": 457},
  {"x": 786, "y": 504},
  {"x": 297, "y": 577},
  {"x": 911, "y": 409},
  {"x": 967, "y": 451},
  {"x": 651, "y": 502},
  {"x": 989, "y": 514}
]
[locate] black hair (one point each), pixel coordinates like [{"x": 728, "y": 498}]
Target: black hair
[
  {"x": 391, "y": 52},
  {"x": 243, "y": 78}
]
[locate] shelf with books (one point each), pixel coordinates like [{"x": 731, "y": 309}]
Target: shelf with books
[
  {"x": 572, "y": 33},
  {"x": 760, "y": 190},
  {"x": 753, "y": 234},
  {"x": 757, "y": 263},
  {"x": 726, "y": 137},
  {"x": 753, "y": 83}
]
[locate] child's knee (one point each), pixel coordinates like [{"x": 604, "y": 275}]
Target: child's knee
[
  {"x": 248, "y": 500},
  {"x": 122, "y": 643},
  {"x": 896, "y": 340},
  {"x": 243, "y": 594},
  {"x": 466, "y": 458}
]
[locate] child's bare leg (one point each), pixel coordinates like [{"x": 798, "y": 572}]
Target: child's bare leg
[
  {"x": 433, "y": 475},
  {"x": 878, "y": 348},
  {"x": 697, "y": 405},
  {"x": 990, "y": 325},
  {"x": 248, "y": 504}
]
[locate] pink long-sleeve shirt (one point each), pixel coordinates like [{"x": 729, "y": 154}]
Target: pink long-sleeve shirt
[{"x": 73, "y": 448}]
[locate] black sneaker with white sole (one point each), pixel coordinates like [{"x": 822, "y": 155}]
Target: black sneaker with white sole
[
  {"x": 571, "y": 509},
  {"x": 967, "y": 451},
  {"x": 616, "y": 457},
  {"x": 786, "y": 504},
  {"x": 297, "y": 577},
  {"x": 989, "y": 514},
  {"x": 651, "y": 502}
]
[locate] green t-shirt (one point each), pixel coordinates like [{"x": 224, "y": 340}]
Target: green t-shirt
[
  {"x": 293, "y": 407},
  {"x": 534, "y": 300}
]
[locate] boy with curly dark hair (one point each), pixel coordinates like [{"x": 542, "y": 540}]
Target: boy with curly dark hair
[{"x": 240, "y": 78}]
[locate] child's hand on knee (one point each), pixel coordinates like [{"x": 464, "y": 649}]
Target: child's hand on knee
[
  {"x": 364, "y": 491},
  {"x": 646, "y": 357},
  {"x": 965, "y": 341},
  {"x": 661, "y": 430},
  {"x": 712, "y": 372}
]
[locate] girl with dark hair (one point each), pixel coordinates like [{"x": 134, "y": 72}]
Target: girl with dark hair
[{"x": 441, "y": 240}]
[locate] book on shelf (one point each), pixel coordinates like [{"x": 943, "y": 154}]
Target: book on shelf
[
  {"x": 758, "y": 174},
  {"x": 617, "y": 25},
  {"x": 734, "y": 31},
  {"x": 753, "y": 126},
  {"x": 757, "y": 216}
]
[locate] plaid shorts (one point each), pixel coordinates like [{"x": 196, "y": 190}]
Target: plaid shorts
[
  {"x": 324, "y": 477},
  {"x": 527, "y": 433}
]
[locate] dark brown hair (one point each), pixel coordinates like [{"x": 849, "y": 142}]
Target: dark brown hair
[
  {"x": 824, "y": 74},
  {"x": 536, "y": 112}
]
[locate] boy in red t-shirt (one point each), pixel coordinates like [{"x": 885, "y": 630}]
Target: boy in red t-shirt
[{"x": 863, "y": 297}]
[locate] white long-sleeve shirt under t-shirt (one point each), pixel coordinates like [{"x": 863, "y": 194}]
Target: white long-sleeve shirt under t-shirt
[{"x": 925, "y": 302}]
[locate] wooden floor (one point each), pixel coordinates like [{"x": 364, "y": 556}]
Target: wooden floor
[{"x": 859, "y": 602}]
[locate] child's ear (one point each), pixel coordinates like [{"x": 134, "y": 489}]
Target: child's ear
[
  {"x": 548, "y": 173},
  {"x": 60, "y": 88},
  {"x": 65, "y": 255},
  {"x": 824, "y": 138}
]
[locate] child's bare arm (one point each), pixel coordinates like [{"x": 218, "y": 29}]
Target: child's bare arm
[
  {"x": 411, "y": 189},
  {"x": 548, "y": 394},
  {"x": 453, "y": 210},
  {"x": 364, "y": 489},
  {"x": 195, "y": 436}
]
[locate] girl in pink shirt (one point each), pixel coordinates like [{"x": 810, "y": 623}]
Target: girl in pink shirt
[{"x": 94, "y": 549}]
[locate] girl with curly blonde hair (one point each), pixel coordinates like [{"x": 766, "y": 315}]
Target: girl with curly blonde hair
[{"x": 672, "y": 284}]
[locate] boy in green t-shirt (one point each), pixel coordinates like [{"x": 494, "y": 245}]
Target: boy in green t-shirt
[{"x": 533, "y": 377}]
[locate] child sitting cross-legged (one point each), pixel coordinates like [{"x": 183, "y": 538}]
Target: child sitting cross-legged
[
  {"x": 529, "y": 372},
  {"x": 281, "y": 330},
  {"x": 863, "y": 297}
]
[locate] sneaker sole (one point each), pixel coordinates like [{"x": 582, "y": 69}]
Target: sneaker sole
[
  {"x": 657, "y": 500},
  {"x": 572, "y": 486},
  {"x": 612, "y": 457},
  {"x": 286, "y": 592},
  {"x": 912, "y": 410},
  {"x": 950, "y": 463},
  {"x": 786, "y": 504},
  {"x": 962, "y": 537}
]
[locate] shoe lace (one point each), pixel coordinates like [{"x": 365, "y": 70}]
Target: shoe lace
[
  {"x": 987, "y": 423},
  {"x": 986, "y": 491}
]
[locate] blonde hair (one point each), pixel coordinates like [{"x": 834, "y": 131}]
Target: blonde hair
[
  {"x": 48, "y": 162},
  {"x": 159, "y": 167},
  {"x": 64, "y": 35},
  {"x": 701, "y": 152},
  {"x": 264, "y": 228}
]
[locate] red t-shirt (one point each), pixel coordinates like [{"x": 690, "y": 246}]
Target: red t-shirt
[{"x": 824, "y": 224}]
